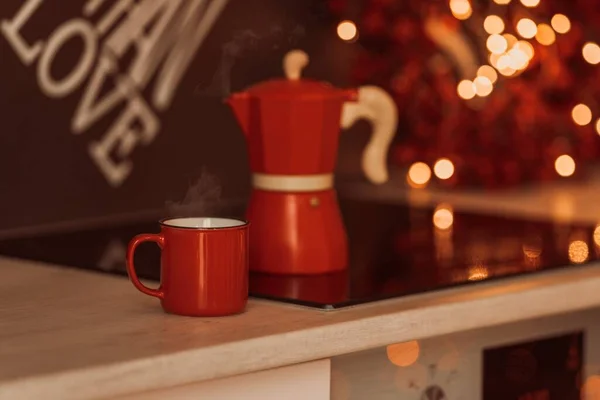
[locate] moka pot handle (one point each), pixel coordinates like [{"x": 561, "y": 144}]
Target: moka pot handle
[{"x": 377, "y": 106}]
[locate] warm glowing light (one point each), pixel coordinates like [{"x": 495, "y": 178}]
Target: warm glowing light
[
  {"x": 443, "y": 168},
  {"x": 597, "y": 235},
  {"x": 591, "y": 53},
  {"x": 493, "y": 24},
  {"x": 478, "y": 273},
  {"x": 347, "y": 30},
  {"x": 582, "y": 115},
  {"x": 578, "y": 251},
  {"x": 526, "y": 28},
  {"x": 563, "y": 207},
  {"x": 526, "y": 47},
  {"x": 510, "y": 39},
  {"x": 598, "y": 126},
  {"x": 530, "y": 3},
  {"x": 483, "y": 86},
  {"x": 518, "y": 59},
  {"x": 591, "y": 388},
  {"x": 466, "y": 90},
  {"x": 403, "y": 354},
  {"x": 419, "y": 173},
  {"x": 497, "y": 44},
  {"x": 545, "y": 35},
  {"x": 565, "y": 165},
  {"x": 461, "y": 9},
  {"x": 488, "y": 72},
  {"x": 502, "y": 2},
  {"x": 443, "y": 217},
  {"x": 494, "y": 60},
  {"x": 507, "y": 71},
  {"x": 504, "y": 62},
  {"x": 561, "y": 23},
  {"x": 460, "y": 6},
  {"x": 532, "y": 248}
]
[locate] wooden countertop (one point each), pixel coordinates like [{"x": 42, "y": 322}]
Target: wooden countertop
[{"x": 73, "y": 334}]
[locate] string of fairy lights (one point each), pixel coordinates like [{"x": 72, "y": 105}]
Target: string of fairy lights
[{"x": 509, "y": 55}]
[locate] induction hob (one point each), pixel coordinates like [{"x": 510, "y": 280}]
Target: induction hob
[{"x": 395, "y": 250}]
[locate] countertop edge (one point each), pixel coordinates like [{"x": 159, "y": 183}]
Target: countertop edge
[{"x": 487, "y": 305}]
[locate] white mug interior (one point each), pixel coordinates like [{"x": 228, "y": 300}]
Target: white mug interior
[{"x": 203, "y": 223}]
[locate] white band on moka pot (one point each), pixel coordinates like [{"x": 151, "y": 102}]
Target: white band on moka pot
[{"x": 292, "y": 183}]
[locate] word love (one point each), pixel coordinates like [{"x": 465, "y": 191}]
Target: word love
[{"x": 163, "y": 35}]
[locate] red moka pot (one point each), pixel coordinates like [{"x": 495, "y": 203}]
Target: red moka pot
[{"x": 292, "y": 129}]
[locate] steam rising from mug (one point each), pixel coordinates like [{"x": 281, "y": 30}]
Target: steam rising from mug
[
  {"x": 243, "y": 44},
  {"x": 202, "y": 198}
]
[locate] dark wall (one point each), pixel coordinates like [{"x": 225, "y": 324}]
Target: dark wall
[{"x": 54, "y": 168}]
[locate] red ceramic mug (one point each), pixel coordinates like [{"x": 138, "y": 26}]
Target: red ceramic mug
[{"x": 204, "y": 266}]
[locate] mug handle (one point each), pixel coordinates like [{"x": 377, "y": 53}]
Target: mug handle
[{"x": 133, "y": 244}]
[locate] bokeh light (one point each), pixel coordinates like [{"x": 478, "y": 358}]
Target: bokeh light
[
  {"x": 526, "y": 47},
  {"x": 561, "y": 23},
  {"x": 488, "y": 72},
  {"x": 582, "y": 115},
  {"x": 530, "y": 3},
  {"x": 510, "y": 39},
  {"x": 564, "y": 165},
  {"x": 419, "y": 174},
  {"x": 597, "y": 235},
  {"x": 545, "y": 35},
  {"x": 443, "y": 168},
  {"x": 578, "y": 251},
  {"x": 443, "y": 217},
  {"x": 591, "y": 53},
  {"x": 347, "y": 30},
  {"x": 483, "y": 86},
  {"x": 502, "y": 2},
  {"x": 532, "y": 248},
  {"x": 466, "y": 89},
  {"x": 461, "y": 9},
  {"x": 478, "y": 272},
  {"x": 526, "y": 28},
  {"x": 591, "y": 388},
  {"x": 493, "y": 24},
  {"x": 494, "y": 60},
  {"x": 507, "y": 71},
  {"x": 518, "y": 59},
  {"x": 598, "y": 126},
  {"x": 497, "y": 44},
  {"x": 504, "y": 62},
  {"x": 403, "y": 354}
]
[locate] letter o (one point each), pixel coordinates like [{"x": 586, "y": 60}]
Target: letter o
[{"x": 68, "y": 30}]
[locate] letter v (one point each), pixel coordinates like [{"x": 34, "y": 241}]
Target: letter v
[{"x": 90, "y": 109}]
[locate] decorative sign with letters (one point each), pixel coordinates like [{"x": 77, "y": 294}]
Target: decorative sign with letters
[
  {"x": 164, "y": 36},
  {"x": 115, "y": 107}
]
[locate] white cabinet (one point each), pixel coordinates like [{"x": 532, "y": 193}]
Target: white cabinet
[{"x": 296, "y": 382}]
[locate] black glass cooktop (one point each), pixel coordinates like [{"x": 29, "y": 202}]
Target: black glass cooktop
[{"x": 395, "y": 250}]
